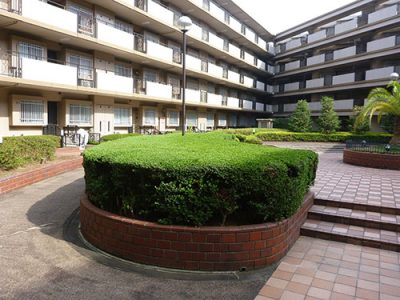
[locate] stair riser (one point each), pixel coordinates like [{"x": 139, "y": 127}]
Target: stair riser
[
  {"x": 356, "y": 206},
  {"x": 350, "y": 240},
  {"x": 354, "y": 222}
]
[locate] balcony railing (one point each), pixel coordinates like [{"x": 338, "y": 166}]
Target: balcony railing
[
  {"x": 260, "y": 85},
  {"x": 346, "y": 26},
  {"x": 317, "y": 36},
  {"x": 194, "y": 63},
  {"x": 317, "y": 59},
  {"x": 292, "y": 65},
  {"x": 247, "y": 104},
  {"x": 383, "y": 43},
  {"x": 315, "y": 83},
  {"x": 248, "y": 81},
  {"x": 383, "y": 14},
  {"x": 112, "y": 35},
  {"x": 158, "y": 90},
  {"x": 346, "y": 52},
  {"x": 159, "y": 51},
  {"x": 294, "y": 86},
  {"x": 260, "y": 106},
  {"x": 233, "y": 102},
  {"x": 344, "y": 79},
  {"x": 234, "y": 76},
  {"x": 381, "y": 73},
  {"x": 160, "y": 12},
  {"x": 110, "y": 82}
]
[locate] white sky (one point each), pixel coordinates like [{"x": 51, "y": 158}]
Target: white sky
[{"x": 279, "y": 15}]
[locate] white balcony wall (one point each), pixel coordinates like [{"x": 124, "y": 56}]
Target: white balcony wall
[
  {"x": 262, "y": 43},
  {"x": 315, "y": 83},
  {"x": 159, "y": 12},
  {"x": 214, "y": 99},
  {"x": 159, "y": 51},
  {"x": 315, "y": 60},
  {"x": 248, "y": 81},
  {"x": 276, "y": 88},
  {"x": 158, "y": 90},
  {"x": 215, "y": 70},
  {"x": 317, "y": 36},
  {"x": 384, "y": 43},
  {"x": 192, "y": 96},
  {"x": 383, "y": 13},
  {"x": 215, "y": 41},
  {"x": 292, "y": 65},
  {"x": 270, "y": 89},
  {"x": 249, "y": 58},
  {"x": 234, "y": 50},
  {"x": 294, "y": 86},
  {"x": 346, "y": 52},
  {"x": 114, "y": 83},
  {"x": 346, "y": 26},
  {"x": 260, "y": 106},
  {"x": 40, "y": 70},
  {"x": 260, "y": 64},
  {"x": 271, "y": 48},
  {"x": 114, "y": 36},
  {"x": 269, "y": 108},
  {"x": 247, "y": 104},
  {"x": 294, "y": 43},
  {"x": 275, "y": 108},
  {"x": 50, "y": 14},
  {"x": 250, "y": 34},
  {"x": 315, "y": 106},
  {"x": 347, "y": 104},
  {"x": 217, "y": 12},
  {"x": 381, "y": 73},
  {"x": 270, "y": 69},
  {"x": 260, "y": 86},
  {"x": 288, "y": 108},
  {"x": 233, "y": 102},
  {"x": 343, "y": 79},
  {"x": 235, "y": 24},
  {"x": 233, "y": 76},
  {"x": 199, "y": 3},
  {"x": 193, "y": 63},
  {"x": 196, "y": 31}
]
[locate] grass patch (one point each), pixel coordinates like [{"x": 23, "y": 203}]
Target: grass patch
[{"x": 114, "y": 137}]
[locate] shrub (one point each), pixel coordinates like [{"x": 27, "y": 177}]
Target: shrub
[
  {"x": 360, "y": 127},
  {"x": 338, "y": 137},
  {"x": 117, "y": 136},
  {"x": 300, "y": 120},
  {"x": 21, "y": 150},
  {"x": 197, "y": 180},
  {"x": 251, "y": 139},
  {"x": 387, "y": 123},
  {"x": 250, "y": 131},
  {"x": 328, "y": 121},
  {"x": 281, "y": 123}
]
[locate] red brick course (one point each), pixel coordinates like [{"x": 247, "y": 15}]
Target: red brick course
[
  {"x": 192, "y": 248},
  {"x": 11, "y": 183},
  {"x": 372, "y": 160}
]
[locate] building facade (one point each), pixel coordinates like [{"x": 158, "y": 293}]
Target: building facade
[{"x": 115, "y": 65}]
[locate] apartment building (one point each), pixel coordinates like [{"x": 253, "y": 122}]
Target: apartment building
[
  {"x": 115, "y": 66},
  {"x": 344, "y": 54}
]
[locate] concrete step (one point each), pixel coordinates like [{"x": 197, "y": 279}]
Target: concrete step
[{"x": 358, "y": 206}]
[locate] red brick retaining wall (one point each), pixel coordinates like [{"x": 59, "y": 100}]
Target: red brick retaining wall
[
  {"x": 9, "y": 184},
  {"x": 372, "y": 160},
  {"x": 191, "y": 248}
]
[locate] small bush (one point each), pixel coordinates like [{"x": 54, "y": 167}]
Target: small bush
[
  {"x": 360, "y": 127},
  {"x": 300, "y": 120},
  {"x": 199, "y": 179},
  {"x": 328, "y": 121},
  {"x": 251, "y": 139},
  {"x": 117, "y": 136},
  {"x": 21, "y": 150}
]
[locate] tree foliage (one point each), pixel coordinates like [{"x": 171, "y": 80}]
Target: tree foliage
[
  {"x": 328, "y": 121},
  {"x": 300, "y": 120}
]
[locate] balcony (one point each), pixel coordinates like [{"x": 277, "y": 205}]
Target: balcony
[
  {"x": 40, "y": 70},
  {"x": 50, "y": 14},
  {"x": 233, "y": 102},
  {"x": 112, "y": 35},
  {"x": 380, "y": 44},
  {"x": 315, "y": 60},
  {"x": 196, "y": 31},
  {"x": 193, "y": 63},
  {"x": 215, "y": 70},
  {"x": 217, "y": 12},
  {"x": 159, "y": 12},
  {"x": 262, "y": 43},
  {"x": 346, "y": 26},
  {"x": 383, "y": 14},
  {"x": 248, "y": 81},
  {"x": 111, "y": 82},
  {"x": 269, "y": 108},
  {"x": 317, "y": 36},
  {"x": 193, "y": 96},
  {"x": 235, "y": 24},
  {"x": 292, "y": 65},
  {"x": 270, "y": 69},
  {"x": 294, "y": 43},
  {"x": 260, "y": 106},
  {"x": 247, "y": 104},
  {"x": 346, "y": 52},
  {"x": 250, "y": 34},
  {"x": 233, "y": 76},
  {"x": 344, "y": 79},
  {"x": 249, "y": 58},
  {"x": 344, "y": 104},
  {"x": 270, "y": 89},
  {"x": 380, "y": 74},
  {"x": 260, "y": 85},
  {"x": 288, "y": 108},
  {"x": 294, "y": 86},
  {"x": 234, "y": 50},
  {"x": 271, "y": 48},
  {"x": 214, "y": 99},
  {"x": 159, "y": 51},
  {"x": 315, "y": 83},
  {"x": 261, "y": 65},
  {"x": 215, "y": 41},
  {"x": 158, "y": 90}
]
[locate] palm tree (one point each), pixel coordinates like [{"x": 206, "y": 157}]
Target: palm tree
[{"x": 383, "y": 101}]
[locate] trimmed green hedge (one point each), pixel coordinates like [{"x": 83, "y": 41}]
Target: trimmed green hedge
[
  {"x": 21, "y": 150},
  {"x": 114, "y": 137},
  {"x": 199, "y": 179}
]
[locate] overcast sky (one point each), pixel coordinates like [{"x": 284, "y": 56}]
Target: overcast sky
[{"x": 279, "y": 15}]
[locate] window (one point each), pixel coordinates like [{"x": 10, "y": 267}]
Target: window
[
  {"x": 84, "y": 64},
  {"x": 32, "y": 112},
  {"x": 122, "y": 25},
  {"x": 85, "y": 18},
  {"x": 222, "y": 120},
  {"x": 173, "y": 118},
  {"x": 149, "y": 117},
  {"x": 150, "y": 76},
  {"x": 122, "y": 116},
  {"x": 80, "y": 114},
  {"x": 30, "y": 51},
  {"x": 191, "y": 118},
  {"x": 123, "y": 70},
  {"x": 210, "y": 119}
]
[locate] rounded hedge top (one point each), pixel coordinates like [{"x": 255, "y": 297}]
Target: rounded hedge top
[{"x": 197, "y": 179}]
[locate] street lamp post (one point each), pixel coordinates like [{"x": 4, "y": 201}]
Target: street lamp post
[{"x": 184, "y": 24}]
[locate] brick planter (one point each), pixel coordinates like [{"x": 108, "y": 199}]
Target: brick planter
[
  {"x": 372, "y": 160},
  {"x": 191, "y": 248}
]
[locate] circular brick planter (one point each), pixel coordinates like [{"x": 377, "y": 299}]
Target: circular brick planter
[
  {"x": 372, "y": 160},
  {"x": 191, "y": 248}
]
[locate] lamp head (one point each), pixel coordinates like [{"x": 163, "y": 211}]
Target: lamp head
[
  {"x": 394, "y": 76},
  {"x": 184, "y": 23}
]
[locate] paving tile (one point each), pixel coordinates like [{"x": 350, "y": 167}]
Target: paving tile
[
  {"x": 344, "y": 289},
  {"x": 298, "y": 288},
  {"x": 288, "y": 295},
  {"x": 319, "y": 293}
]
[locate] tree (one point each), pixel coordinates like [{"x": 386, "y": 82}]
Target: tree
[
  {"x": 358, "y": 127},
  {"x": 384, "y": 101},
  {"x": 300, "y": 120},
  {"x": 328, "y": 121}
]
